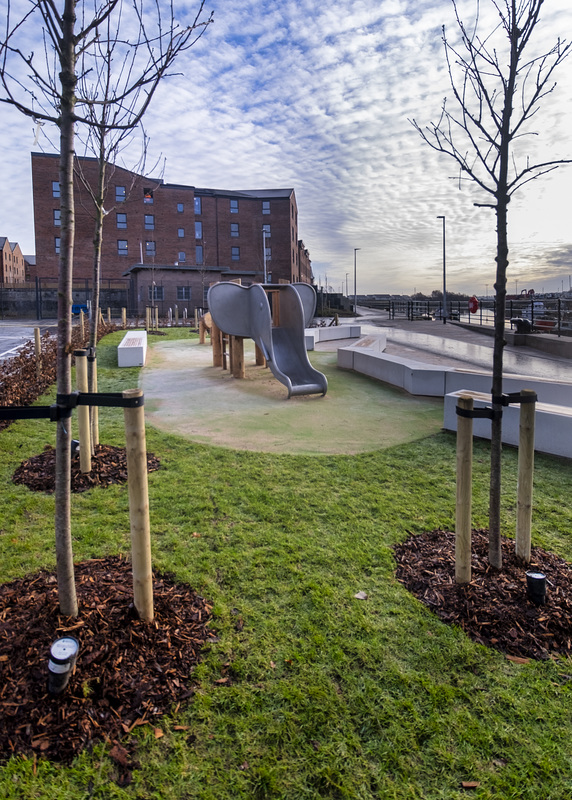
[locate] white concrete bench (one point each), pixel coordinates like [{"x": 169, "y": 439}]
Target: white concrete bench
[
  {"x": 132, "y": 351},
  {"x": 552, "y": 428},
  {"x": 332, "y": 333}
]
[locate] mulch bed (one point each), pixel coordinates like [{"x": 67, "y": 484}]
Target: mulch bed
[
  {"x": 128, "y": 672},
  {"x": 108, "y": 466},
  {"x": 493, "y": 609}
]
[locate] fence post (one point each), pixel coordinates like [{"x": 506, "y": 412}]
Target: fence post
[
  {"x": 136, "y": 451},
  {"x": 522, "y": 542},
  {"x": 463, "y": 505},
  {"x": 83, "y": 411},
  {"x": 38, "y": 352}
]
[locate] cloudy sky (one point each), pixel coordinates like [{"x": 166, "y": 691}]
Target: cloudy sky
[{"x": 316, "y": 95}]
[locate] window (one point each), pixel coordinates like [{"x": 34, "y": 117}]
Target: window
[
  {"x": 235, "y": 253},
  {"x": 55, "y": 188},
  {"x": 268, "y": 253},
  {"x": 266, "y": 229},
  {"x": 234, "y": 206},
  {"x": 181, "y": 233},
  {"x": 57, "y": 245},
  {"x": 198, "y": 230},
  {"x": 150, "y": 248},
  {"x": 156, "y": 292},
  {"x": 183, "y": 292},
  {"x": 266, "y": 206},
  {"x": 121, "y": 220},
  {"x": 180, "y": 207},
  {"x": 147, "y": 195},
  {"x": 149, "y": 222},
  {"x": 122, "y": 247},
  {"x": 234, "y": 228},
  {"x": 120, "y": 194},
  {"x": 198, "y": 205},
  {"x": 57, "y": 217},
  {"x": 199, "y": 254},
  {"x": 182, "y": 255}
]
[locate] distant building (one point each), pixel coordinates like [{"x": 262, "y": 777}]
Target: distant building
[
  {"x": 12, "y": 266},
  {"x": 179, "y": 238}
]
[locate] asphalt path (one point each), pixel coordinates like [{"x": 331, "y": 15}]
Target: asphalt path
[{"x": 15, "y": 333}]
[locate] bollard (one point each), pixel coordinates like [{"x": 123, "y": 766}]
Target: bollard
[
  {"x": 463, "y": 505},
  {"x": 522, "y": 542}
]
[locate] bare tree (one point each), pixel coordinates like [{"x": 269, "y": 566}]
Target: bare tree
[
  {"x": 46, "y": 88},
  {"x": 498, "y": 80}
]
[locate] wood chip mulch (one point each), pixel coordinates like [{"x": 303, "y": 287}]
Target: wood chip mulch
[
  {"x": 493, "y": 609},
  {"x": 108, "y": 466},
  {"x": 128, "y": 672}
]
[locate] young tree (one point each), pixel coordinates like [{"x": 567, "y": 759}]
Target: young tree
[
  {"x": 498, "y": 80},
  {"x": 45, "y": 88}
]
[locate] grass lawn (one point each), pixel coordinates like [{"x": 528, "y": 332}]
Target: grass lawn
[{"x": 330, "y": 696}]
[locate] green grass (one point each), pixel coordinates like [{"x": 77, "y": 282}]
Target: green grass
[{"x": 331, "y": 697}]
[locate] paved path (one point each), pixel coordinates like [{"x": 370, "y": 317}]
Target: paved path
[{"x": 14, "y": 333}]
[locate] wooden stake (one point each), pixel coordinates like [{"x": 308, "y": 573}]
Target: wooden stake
[
  {"x": 156, "y": 318},
  {"x": 136, "y": 451},
  {"x": 123, "y": 318},
  {"x": 463, "y": 507},
  {"x": 38, "y": 351},
  {"x": 176, "y": 316},
  {"x": 94, "y": 410},
  {"x": 81, "y": 325},
  {"x": 83, "y": 411},
  {"x": 147, "y": 319},
  {"x": 525, "y": 478},
  {"x": 109, "y": 315}
]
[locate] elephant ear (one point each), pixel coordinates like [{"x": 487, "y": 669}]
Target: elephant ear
[
  {"x": 308, "y": 297},
  {"x": 230, "y": 308}
]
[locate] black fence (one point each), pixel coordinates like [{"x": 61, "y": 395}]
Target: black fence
[{"x": 39, "y": 300}]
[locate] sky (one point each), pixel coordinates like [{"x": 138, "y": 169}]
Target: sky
[{"x": 317, "y": 95}]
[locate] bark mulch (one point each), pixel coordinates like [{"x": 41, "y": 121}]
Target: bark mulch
[
  {"x": 493, "y": 609},
  {"x": 128, "y": 672},
  {"x": 108, "y": 466}
]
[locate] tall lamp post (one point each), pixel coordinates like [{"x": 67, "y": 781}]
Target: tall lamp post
[
  {"x": 355, "y": 279},
  {"x": 444, "y": 275},
  {"x": 264, "y": 253},
  {"x": 347, "y": 273}
]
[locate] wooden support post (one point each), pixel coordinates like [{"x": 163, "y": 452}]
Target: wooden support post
[
  {"x": 177, "y": 316},
  {"x": 224, "y": 342},
  {"x": 216, "y": 341},
  {"x": 522, "y": 542},
  {"x": 81, "y": 325},
  {"x": 260, "y": 360},
  {"x": 236, "y": 347},
  {"x": 136, "y": 451},
  {"x": 83, "y": 411},
  {"x": 38, "y": 352},
  {"x": 202, "y": 334},
  {"x": 464, "y": 478}
]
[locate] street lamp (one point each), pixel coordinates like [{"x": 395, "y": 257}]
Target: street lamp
[
  {"x": 355, "y": 279},
  {"x": 444, "y": 275},
  {"x": 264, "y": 253},
  {"x": 347, "y": 273}
]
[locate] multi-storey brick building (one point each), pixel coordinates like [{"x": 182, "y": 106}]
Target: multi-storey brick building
[
  {"x": 176, "y": 238},
  {"x": 12, "y": 265}
]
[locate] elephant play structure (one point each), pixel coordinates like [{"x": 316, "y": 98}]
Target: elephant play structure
[{"x": 275, "y": 316}]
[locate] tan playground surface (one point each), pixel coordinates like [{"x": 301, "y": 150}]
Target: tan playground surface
[{"x": 185, "y": 394}]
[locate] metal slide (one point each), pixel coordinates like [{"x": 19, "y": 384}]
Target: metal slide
[{"x": 245, "y": 311}]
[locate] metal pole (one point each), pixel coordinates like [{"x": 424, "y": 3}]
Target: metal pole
[
  {"x": 264, "y": 253},
  {"x": 444, "y": 275},
  {"x": 355, "y": 279}
]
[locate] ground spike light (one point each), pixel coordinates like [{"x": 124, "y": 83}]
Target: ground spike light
[{"x": 63, "y": 656}]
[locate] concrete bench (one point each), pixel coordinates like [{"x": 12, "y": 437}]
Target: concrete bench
[
  {"x": 552, "y": 429},
  {"x": 132, "y": 351},
  {"x": 333, "y": 333}
]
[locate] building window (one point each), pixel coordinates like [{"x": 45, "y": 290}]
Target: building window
[
  {"x": 198, "y": 230},
  {"x": 149, "y": 222},
  {"x": 57, "y": 245},
  {"x": 198, "y": 205},
  {"x": 150, "y": 248},
  {"x": 156, "y": 292},
  {"x": 182, "y": 255},
  {"x": 235, "y": 253},
  {"x": 180, "y": 207},
  {"x": 147, "y": 195},
  {"x": 234, "y": 228},
  {"x": 199, "y": 254},
  {"x": 55, "y": 188},
  {"x": 234, "y": 206},
  {"x": 268, "y": 253},
  {"x": 121, "y": 220},
  {"x": 122, "y": 247},
  {"x": 266, "y": 206},
  {"x": 181, "y": 233},
  {"x": 57, "y": 217},
  {"x": 266, "y": 229},
  {"x": 120, "y": 194},
  {"x": 183, "y": 292}
]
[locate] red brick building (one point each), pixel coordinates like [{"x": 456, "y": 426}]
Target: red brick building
[
  {"x": 179, "y": 238},
  {"x": 12, "y": 265}
]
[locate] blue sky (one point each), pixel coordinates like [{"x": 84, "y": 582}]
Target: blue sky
[{"x": 316, "y": 95}]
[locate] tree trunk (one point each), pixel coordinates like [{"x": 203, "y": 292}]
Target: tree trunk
[{"x": 64, "y": 554}]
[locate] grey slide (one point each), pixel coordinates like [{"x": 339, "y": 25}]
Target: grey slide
[{"x": 246, "y": 311}]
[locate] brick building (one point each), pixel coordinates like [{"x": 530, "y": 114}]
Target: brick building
[
  {"x": 12, "y": 265},
  {"x": 176, "y": 238}
]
